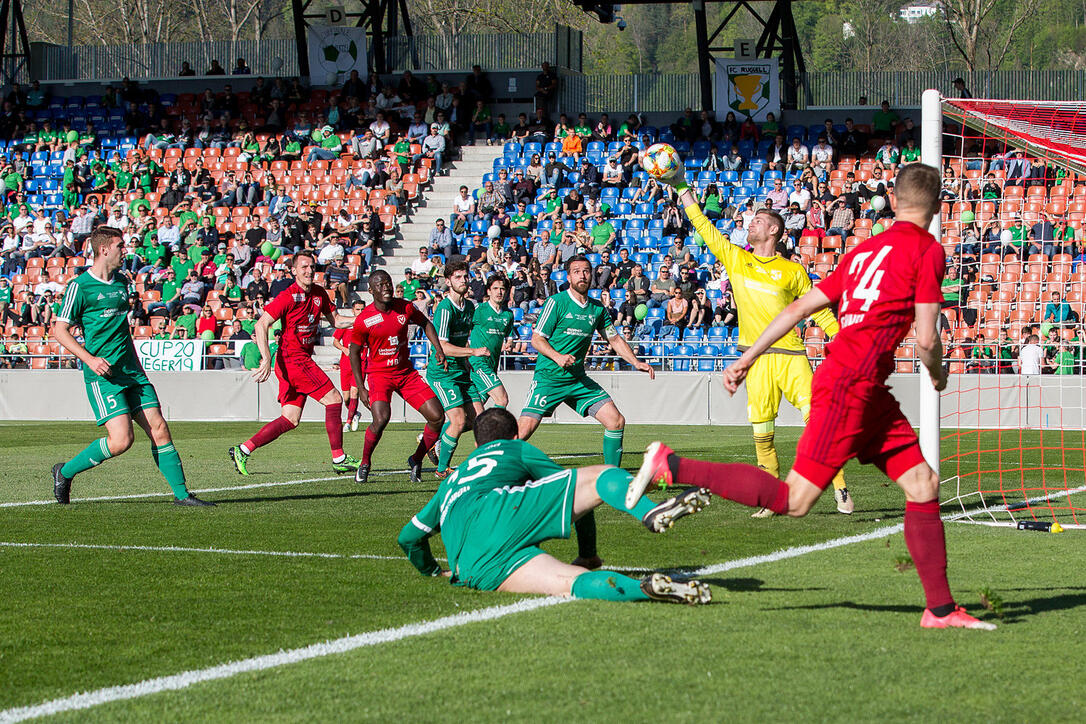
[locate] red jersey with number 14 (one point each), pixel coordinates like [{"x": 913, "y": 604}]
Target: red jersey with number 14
[
  {"x": 876, "y": 286},
  {"x": 301, "y": 312},
  {"x": 383, "y": 336}
]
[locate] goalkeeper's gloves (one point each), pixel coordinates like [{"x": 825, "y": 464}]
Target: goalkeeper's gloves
[{"x": 676, "y": 178}]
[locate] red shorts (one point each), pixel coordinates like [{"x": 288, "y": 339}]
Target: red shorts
[
  {"x": 346, "y": 376},
  {"x": 300, "y": 377},
  {"x": 408, "y": 383},
  {"x": 853, "y": 417}
]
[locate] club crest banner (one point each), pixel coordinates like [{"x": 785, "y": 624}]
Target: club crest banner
[
  {"x": 334, "y": 51},
  {"x": 749, "y": 87}
]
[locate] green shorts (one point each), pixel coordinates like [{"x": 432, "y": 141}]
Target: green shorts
[
  {"x": 451, "y": 392},
  {"x": 509, "y": 523},
  {"x": 122, "y": 395},
  {"x": 483, "y": 380},
  {"x": 583, "y": 394}
]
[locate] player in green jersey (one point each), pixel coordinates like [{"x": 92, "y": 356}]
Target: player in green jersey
[
  {"x": 507, "y": 497},
  {"x": 452, "y": 319},
  {"x": 117, "y": 387},
  {"x": 562, "y": 335},
  {"x": 490, "y": 328}
]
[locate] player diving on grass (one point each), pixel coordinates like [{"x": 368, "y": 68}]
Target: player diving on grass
[
  {"x": 764, "y": 283},
  {"x": 341, "y": 338},
  {"x": 301, "y": 307},
  {"x": 380, "y": 333},
  {"x": 117, "y": 386},
  {"x": 562, "y": 336},
  {"x": 881, "y": 287},
  {"x": 507, "y": 497},
  {"x": 452, "y": 382}
]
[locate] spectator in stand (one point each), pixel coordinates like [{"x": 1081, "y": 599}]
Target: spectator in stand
[
  {"x": 573, "y": 205},
  {"x": 883, "y": 121},
  {"x": 960, "y": 90},
  {"x": 1043, "y": 234},
  {"x": 779, "y": 196},
  {"x": 795, "y": 221},
  {"x": 888, "y": 156},
  {"x": 613, "y": 174},
  {"x": 677, "y": 312},
  {"x": 433, "y": 147},
  {"x": 1030, "y": 356},
  {"x": 661, "y": 288},
  {"x": 952, "y": 295},
  {"x": 480, "y": 123},
  {"x": 491, "y": 202},
  {"x": 701, "y": 313},
  {"x": 337, "y": 280},
  {"x": 853, "y": 142},
  {"x": 567, "y": 248},
  {"x": 777, "y": 154},
  {"x": 799, "y": 156},
  {"x": 463, "y": 212},
  {"x": 546, "y": 86},
  {"x": 441, "y": 238},
  {"x": 544, "y": 250},
  {"x": 1059, "y": 312},
  {"x": 800, "y": 195}
]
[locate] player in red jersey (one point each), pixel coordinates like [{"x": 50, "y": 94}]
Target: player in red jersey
[
  {"x": 881, "y": 286},
  {"x": 341, "y": 339},
  {"x": 300, "y": 306},
  {"x": 381, "y": 332}
]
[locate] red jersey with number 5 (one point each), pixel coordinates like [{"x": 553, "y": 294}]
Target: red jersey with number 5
[
  {"x": 876, "y": 286},
  {"x": 301, "y": 312},
  {"x": 383, "y": 336}
]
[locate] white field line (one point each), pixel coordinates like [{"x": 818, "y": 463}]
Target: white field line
[
  {"x": 186, "y": 679},
  {"x": 1006, "y": 507},
  {"x": 228, "y": 488},
  {"x": 237, "y": 552}
]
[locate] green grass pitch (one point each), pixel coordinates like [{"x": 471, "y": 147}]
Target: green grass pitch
[{"x": 828, "y": 635}]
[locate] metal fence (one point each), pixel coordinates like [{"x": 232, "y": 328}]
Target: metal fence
[
  {"x": 639, "y": 93},
  {"x": 504, "y": 51},
  {"x": 904, "y": 88},
  {"x": 270, "y": 57}
]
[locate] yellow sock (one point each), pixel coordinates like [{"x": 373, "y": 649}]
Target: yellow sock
[{"x": 765, "y": 450}]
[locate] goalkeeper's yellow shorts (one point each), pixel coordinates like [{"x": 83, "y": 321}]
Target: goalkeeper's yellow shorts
[{"x": 773, "y": 375}]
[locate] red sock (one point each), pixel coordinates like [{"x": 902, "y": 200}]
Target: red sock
[
  {"x": 926, "y": 542},
  {"x": 429, "y": 437},
  {"x": 333, "y": 424},
  {"x": 269, "y": 432},
  {"x": 744, "y": 484},
  {"x": 352, "y": 408},
  {"x": 370, "y": 442}
]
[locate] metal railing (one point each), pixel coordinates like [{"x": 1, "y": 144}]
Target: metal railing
[
  {"x": 638, "y": 93},
  {"x": 269, "y": 57},
  {"x": 904, "y": 88}
]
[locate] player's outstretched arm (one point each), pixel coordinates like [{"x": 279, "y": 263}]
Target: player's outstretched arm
[
  {"x": 929, "y": 347},
  {"x": 260, "y": 334},
  {"x": 543, "y": 346},
  {"x": 414, "y": 538},
  {"x": 63, "y": 335},
  {"x": 714, "y": 240},
  {"x": 622, "y": 349},
  {"x": 435, "y": 343},
  {"x": 452, "y": 350},
  {"x": 784, "y": 322}
]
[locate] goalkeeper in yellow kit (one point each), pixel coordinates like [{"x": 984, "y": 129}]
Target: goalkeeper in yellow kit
[{"x": 763, "y": 284}]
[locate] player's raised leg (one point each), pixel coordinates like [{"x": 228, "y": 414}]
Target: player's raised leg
[
  {"x": 291, "y": 415},
  {"x": 601, "y": 484}
]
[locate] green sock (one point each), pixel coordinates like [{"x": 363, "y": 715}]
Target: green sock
[
  {"x": 612, "y": 447},
  {"x": 607, "y": 586},
  {"x": 611, "y": 486},
  {"x": 94, "y": 454},
  {"x": 169, "y": 464},
  {"x": 500, "y": 407},
  {"x": 446, "y": 449}
]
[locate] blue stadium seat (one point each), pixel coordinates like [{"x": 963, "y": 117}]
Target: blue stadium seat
[
  {"x": 656, "y": 313},
  {"x": 729, "y": 177},
  {"x": 525, "y": 331},
  {"x": 511, "y": 148},
  {"x": 518, "y": 314},
  {"x": 706, "y": 364},
  {"x": 558, "y": 277},
  {"x": 693, "y": 335},
  {"x": 619, "y": 295},
  {"x": 718, "y": 334}
]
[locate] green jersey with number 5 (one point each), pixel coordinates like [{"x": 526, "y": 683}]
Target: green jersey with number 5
[{"x": 498, "y": 464}]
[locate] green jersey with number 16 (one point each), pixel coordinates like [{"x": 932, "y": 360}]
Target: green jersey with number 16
[{"x": 569, "y": 325}]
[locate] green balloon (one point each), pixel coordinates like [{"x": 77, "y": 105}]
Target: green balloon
[
  {"x": 1045, "y": 329},
  {"x": 877, "y": 229},
  {"x": 276, "y": 252},
  {"x": 266, "y": 248},
  {"x": 698, "y": 240},
  {"x": 641, "y": 311},
  {"x": 968, "y": 217},
  {"x": 208, "y": 335},
  {"x": 316, "y": 135}
]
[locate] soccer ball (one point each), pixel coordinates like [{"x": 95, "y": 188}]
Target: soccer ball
[
  {"x": 660, "y": 159},
  {"x": 339, "y": 52}
]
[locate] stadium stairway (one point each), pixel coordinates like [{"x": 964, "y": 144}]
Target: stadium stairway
[
  {"x": 475, "y": 162},
  {"x": 402, "y": 249}
]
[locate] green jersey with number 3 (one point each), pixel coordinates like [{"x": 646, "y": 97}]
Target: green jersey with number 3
[
  {"x": 569, "y": 326},
  {"x": 497, "y": 464},
  {"x": 489, "y": 328},
  {"x": 453, "y": 325}
]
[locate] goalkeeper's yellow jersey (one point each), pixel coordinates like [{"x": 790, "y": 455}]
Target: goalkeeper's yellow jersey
[{"x": 762, "y": 287}]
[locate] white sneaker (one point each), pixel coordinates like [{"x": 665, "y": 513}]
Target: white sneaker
[
  {"x": 844, "y": 501},
  {"x": 346, "y": 427},
  {"x": 354, "y": 422},
  {"x": 763, "y": 513}
]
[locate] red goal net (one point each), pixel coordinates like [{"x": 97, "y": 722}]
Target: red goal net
[{"x": 1013, "y": 417}]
